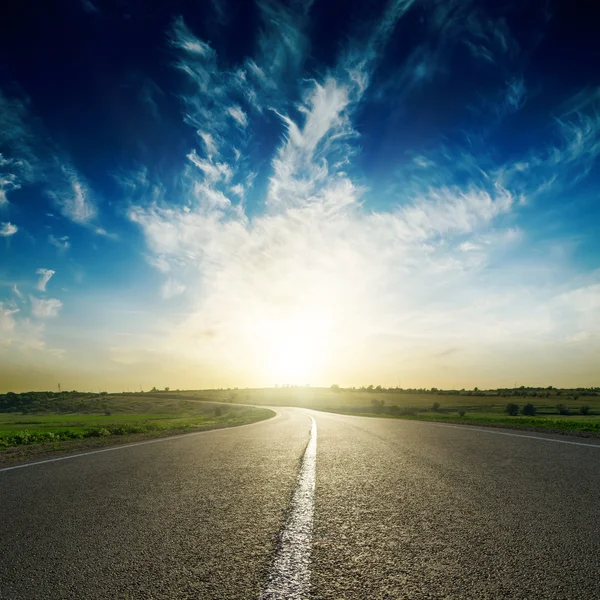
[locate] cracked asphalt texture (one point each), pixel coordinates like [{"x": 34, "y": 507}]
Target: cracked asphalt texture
[{"x": 403, "y": 510}]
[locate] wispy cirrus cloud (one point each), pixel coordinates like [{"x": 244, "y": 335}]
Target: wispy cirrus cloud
[
  {"x": 29, "y": 156},
  {"x": 74, "y": 199},
  {"x": 62, "y": 243},
  {"x": 45, "y": 308},
  {"x": 45, "y": 276},
  {"x": 319, "y": 263}
]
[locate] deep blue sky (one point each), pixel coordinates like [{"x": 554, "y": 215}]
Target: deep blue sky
[{"x": 213, "y": 180}]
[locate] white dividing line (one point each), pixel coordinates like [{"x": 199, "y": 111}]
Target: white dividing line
[
  {"x": 122, "y": 447},
  {"x": 518, "y": 435},
  {"x": 289, "y": 578}
]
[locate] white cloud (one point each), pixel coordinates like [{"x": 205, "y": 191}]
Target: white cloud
[
  {"x": 301, "y": 164},
  {"x": 171, "y": 289},
  {"x": 16, "y": 291},
  {"x": 238, "y": 115},
  {"x": 45, "y": 275},
  {"x": 8, "y": 182},
  {"x": 7, "y": 324},
  {"x": 318, "y": 268},
  {"x": 209, "y": 143},
  {"x": 62, "y": 243},
  {"x": 213, "y": 172},
  {"x": 184, "y": 39},
  {"x": 45, "y": 309},
  {"x": 238, "y": 190},
  {"x": 74, "y": 201},
  {"x": 101, "y": 231},
  {"x": 8, "y": 229}
]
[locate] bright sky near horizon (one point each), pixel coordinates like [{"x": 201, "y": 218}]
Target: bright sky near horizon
[{"x": 230, "y": 193}]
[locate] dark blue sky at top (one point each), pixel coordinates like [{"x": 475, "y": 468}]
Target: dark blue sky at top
[{"x": 101, "y": 87}]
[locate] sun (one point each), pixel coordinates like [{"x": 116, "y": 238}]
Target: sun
[
  {"x": 291, "y": 361},
  {"x": 295, "y": 351}
]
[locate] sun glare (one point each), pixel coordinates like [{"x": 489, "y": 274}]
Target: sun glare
[
  {"x": 295, "y": 351},
  {"x": 290, "y": 361}
]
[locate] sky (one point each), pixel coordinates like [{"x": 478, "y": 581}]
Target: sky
[{"x": 227, "y": 193}]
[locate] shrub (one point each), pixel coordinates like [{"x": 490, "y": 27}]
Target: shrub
[
  {"x": 461, "y": 413},
  {"x": 218, "y": 411},
  {"x": 512, "y": 409},
  {"x": 435, "y": 407},
  {"x": 529, "y": 410},
  {"x": 584, "y": 410},
  {"x": 563, "y": 409},
  {"x": 97, "y": 432}
]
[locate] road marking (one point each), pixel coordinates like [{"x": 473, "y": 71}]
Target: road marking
[
  {"x": 519, "y": 435},
  {"x": 122, "y": 447},
  {"x": 289, "y": 578},
  {"x": 469, "y": 428}
]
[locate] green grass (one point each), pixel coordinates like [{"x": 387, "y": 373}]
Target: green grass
[
  {"x": 34, "y": 417},
  {"x": 575, "y": 423},
  {"x": 122, "y": 415},
  {"x": 482, "y": 408}
]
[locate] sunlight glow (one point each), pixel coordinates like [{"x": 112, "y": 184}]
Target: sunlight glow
[{"x": 295, "y": 350}]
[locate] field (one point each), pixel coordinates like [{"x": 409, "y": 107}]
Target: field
[
  {"x": 37, "y": 419},
  {"x": 73, "y": 418},
  {"x": 575, "y": 410}
]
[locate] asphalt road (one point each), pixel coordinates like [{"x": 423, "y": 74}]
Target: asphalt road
[{"x": 399, "y": 509}]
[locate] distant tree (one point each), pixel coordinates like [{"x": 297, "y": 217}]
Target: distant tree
[
  {"x": 370, "y": 388},
  {"x": 335, "y": 388},
  {"x": 435, "y": 407},
  {"x": 475, "y": 389},
  {"x": 563, "y": 409},
  {"x": 584, "y": 410},
  {"x": 167, "y": 389},
  {"x": 461, "y": 413},
  {"x": 512, "y": 409},
  {"x": 529, "y": 410},
  {"x": 154, "y": 389}
]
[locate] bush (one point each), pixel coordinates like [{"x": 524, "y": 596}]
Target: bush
[
  {"x": 97, "y": 432},
  {"x": 461, "y": 413},
  {"x": 512, "y": 409},
  {"x": 563, "y": 409},
  {"x": 529, "y": 410},
  {"x": 218, "y": 411},
  {"x": 584, "y": 410},
  {"x": 435, "y": 407}
]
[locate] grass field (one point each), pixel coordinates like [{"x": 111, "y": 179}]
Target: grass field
[
  {"x": 45, "y": 418},
  {"x": 483, "y": 408},
  {"x": 119, "y": 415}
]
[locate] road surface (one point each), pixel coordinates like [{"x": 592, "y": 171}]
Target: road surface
[{"x": 331, "y": 506}]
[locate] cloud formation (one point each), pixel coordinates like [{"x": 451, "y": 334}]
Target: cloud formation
[
  {"x": 62, "y": 243},
  {"x": 45, "y": 276},
  {"x": 45, "y": 308},
  {"x": 318, "y": 263},
  {"x": 8, "y": 229},
  {"x": 30, "y": 156}
]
